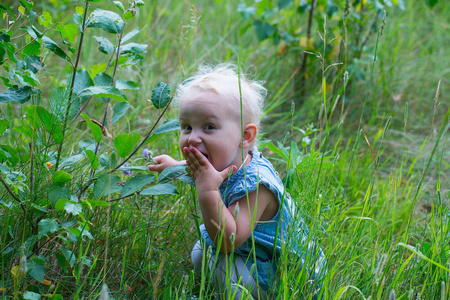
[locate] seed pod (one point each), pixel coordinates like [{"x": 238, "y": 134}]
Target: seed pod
[{"x": 104, "y": 293}]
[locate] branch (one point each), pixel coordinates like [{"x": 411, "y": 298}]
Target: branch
[{"x": 72, "y": 85}]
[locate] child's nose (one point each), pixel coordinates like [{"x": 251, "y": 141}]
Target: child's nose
[{"x": 194, "y": 138}]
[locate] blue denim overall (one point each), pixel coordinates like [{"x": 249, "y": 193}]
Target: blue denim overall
[{"x": 268, "y": 244}]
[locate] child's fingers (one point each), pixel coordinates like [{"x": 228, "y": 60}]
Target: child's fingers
[
  {"x": 201, "y": 158},
  {"x": 193, "y": 163}
]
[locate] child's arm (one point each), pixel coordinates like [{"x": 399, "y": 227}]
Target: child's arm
[
  {"x": 219, "y": 220},
  {"x": 164, "y": 161}
]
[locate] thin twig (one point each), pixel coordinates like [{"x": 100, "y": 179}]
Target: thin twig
[
  {"x": 18, "y": 200},
  {"x": 145, "y": 138},
  {"x": 72, "y": 86}
]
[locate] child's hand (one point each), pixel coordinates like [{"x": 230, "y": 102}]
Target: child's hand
[
  {"x": 164, "y": 161},
  {"x": 207, "y": 178}
]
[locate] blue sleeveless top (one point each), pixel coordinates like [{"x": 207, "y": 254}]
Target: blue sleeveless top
[{"x": 270, "y": 236}]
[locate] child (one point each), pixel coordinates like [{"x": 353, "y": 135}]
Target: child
[{"x": 242, "y": 199}]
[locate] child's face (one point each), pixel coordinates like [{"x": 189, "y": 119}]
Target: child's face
[{"x": 210, "y": 124}]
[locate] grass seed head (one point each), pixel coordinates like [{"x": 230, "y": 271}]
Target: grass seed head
[
  {"x": 209, "y": 253},
  {"x": 392, "y": 295},
  {"x": 23, "y": 264},
  {"x": 380, "y": 267},
  {"x": 104, "y": 293},
  {"x": 383, "y": 23},
  {"x": 346, "y": 8}
]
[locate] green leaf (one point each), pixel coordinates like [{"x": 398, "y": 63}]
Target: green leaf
[
  {"x": 74, "y": 231},
  {"x": 104, "y": 91},
  {"x": 129, "y": 14},
  {"x": 93, "y": 159},
  {"x": 97, "y": 203},
  {"x": 95, "y": 128},
  {"x": 10, "y": 155},
  {"x": 168, "y": 125},
  {"x": 274, "y": 149},
  {"x": 33, "y": 49},
  {"x": 19, "y": 95},
  {"x": 107, "y": 161},
  {"x": 51, "y": 123},
  {"x": 284, "y": 3},
  {"x": 171, "y": 172},
  {"x": 105, "y": 45},
  {"x": 32, "y": 295},
  {"x": 28, "y": 4},
  {"x": 246, "y": 12},
  {"x": 431, "y": 3},
  {"x": 2, "y": 55},
  {"x": 4, "y": 37},
  {"x": 62, "y": 261},
  {"x": 82, "y": 81},
  {"x": 68, "y": 31},
  {"x": 71, "y": 160},
  {"x": 58, "y": 103},
  {"x": 119, "y": 5},
  {"x": 106, "y": 20},
  {"x": 126, "y": 85},
  {"x": 57, "y": 192},
  {"x": 103, "y": 79},
  {"x": 125, "y": 143},
  {"x": 160, "y": 189},
  {"x": 136, "y": 183},
  {"x": 47, "y": 226},
  {"x": 10, "y": 49},
  {"x": 68, "y": 255},
  {"x": 38, "y": 207},
  {"x": 186, "y": 179},
  {"x": 4, "y": 125},
  {"x": 73, "y": 208},
  {"x": 45, "y": 19},
  {"x": 52, "y": 46},
  {"x": 31, "y": 78},
  {"x": 33, "y": 63},
  {"x": 134, "y": 168},
  {"x": 32, "y": 31},
  {"x": 134, "y": 48},
  {"x": 59, "y": 205},
  {"x": 106, "y": 184},
  {"x": 119, "y": 111},
  {"x": 161, "y": 95},
  {"x": 4, "y": 7},
  {"x": 27, "y": 246},
  {"x": 263, "y": 29},
  {"x": 130, "y": 34},
  {"x": 61, "y": 176}
]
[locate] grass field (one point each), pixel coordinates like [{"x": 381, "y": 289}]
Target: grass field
[{"x": 365, "y": 158}]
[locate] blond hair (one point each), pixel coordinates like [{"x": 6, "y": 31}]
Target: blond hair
[{"x": 224, "y": 80}]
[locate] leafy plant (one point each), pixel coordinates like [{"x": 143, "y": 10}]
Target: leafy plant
[
  {"x": 56, "y": 181},
  {"x": 292, "y": 27}
]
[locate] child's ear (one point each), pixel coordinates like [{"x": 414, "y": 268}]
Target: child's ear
[{"x": 250, "y": 133}]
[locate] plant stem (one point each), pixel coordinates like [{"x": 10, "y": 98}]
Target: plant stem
[
  {"x": 112, "y": 84},
  {"x": 18, "y": 200},
  {"x": 301, "y": 83},
  {"x": 69, "y": 101},
  {"x": 145, "y": 138}
]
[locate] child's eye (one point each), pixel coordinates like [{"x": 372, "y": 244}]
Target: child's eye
[
  {"x": 187, "y": 127},
  {"x": 209, "y": 127}
]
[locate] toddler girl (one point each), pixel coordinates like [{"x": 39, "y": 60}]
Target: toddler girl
[{"x": 244, "y": 206}]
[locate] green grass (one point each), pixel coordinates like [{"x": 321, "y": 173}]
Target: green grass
[{"x": 382, "y": 229}]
